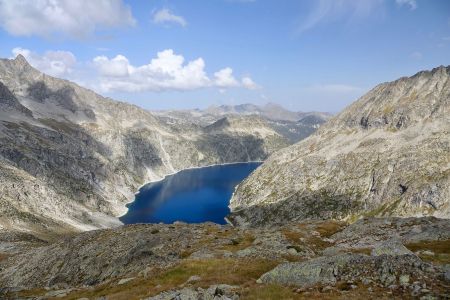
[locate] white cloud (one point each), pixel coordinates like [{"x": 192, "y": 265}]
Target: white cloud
[
  {"x": 74, "y": 18},
  {"x": 248, "y": 83},
  {"x": 55, "y": 63},
  {"x": 168, "y": 71},
  {"x": 332, "y": 10},
  {"x": 411, "y": 3},
  {"x": 164, "y": 16},
  {"x": 225, "y": 78},
  {"x": 116, "y": 67}
]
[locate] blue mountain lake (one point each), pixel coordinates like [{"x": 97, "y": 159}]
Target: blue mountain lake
[{"x": 192, "y": 196}]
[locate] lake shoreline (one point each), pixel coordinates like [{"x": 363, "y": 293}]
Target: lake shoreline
[{"x": 176, "y": 172}]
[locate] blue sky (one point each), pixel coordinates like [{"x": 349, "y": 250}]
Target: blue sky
[{"x": 306, "y": 55}]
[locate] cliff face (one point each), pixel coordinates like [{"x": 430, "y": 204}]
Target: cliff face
[
  {"x": 70, "y": 159},
  {"x": 387, "y": 154}
]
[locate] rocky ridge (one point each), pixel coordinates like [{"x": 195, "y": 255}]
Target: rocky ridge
[{"x": 387, "y": 154}]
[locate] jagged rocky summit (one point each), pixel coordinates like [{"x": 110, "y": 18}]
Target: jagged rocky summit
[{"x": 387, "y": 154}]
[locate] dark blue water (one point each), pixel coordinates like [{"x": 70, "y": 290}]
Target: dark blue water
[{"x": 192, "y": 196}]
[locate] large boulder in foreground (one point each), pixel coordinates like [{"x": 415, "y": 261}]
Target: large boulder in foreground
[
  {"x": 385, "y": 270},
  {"x": 387, "y": 154}
]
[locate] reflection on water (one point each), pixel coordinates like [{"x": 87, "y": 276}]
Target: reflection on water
[{"x": 192, "y": 196}]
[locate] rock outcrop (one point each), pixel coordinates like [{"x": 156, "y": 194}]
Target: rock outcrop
[
  {"x": 387, "y": 154},
  {"x": 214, "y": 292},
  {"x": 71, "y": 159},
  {"x": 384, "y": 270}
]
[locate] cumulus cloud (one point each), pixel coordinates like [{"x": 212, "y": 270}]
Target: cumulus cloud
[
  {"x": 333, "y": 10},
  {"x": 116, "y": 67},
  {"x": 412, "y": 4},
  {"x": 225, "y": 78},
  {"x": 168, "y": 71},
  {"x": 164, "y": 16},
  {"x": 248, "y": 83},
  {"x": 55, "y": 63},
  {"x": 73, "y": 18}
]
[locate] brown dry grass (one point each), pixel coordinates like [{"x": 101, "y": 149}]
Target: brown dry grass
[
  {"x": 239, "y": 243},
  {"x": 3, "y": 256},
  {"x": 340, "y": 291},
  {"x": 441, "y": 250},
  {"x": 212, "y": 271},
  {"x": 366, "y": 251},
  {"x": 301, "y": 235},
  {"x": 328, "y": 228}
]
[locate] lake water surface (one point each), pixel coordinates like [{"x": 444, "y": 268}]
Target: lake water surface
[{"x": 192, "y": 196}]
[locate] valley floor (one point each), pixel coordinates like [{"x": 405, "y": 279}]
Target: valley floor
[{"x": 373, "y": 258}]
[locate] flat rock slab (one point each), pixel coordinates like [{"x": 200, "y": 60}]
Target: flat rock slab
[{"x": 391, "y": 247}]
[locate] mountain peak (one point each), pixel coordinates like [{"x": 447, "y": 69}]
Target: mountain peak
[{"x": 21, "y": 61}]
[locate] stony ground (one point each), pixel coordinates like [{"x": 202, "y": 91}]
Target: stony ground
[{"x": 373, "y": 258}]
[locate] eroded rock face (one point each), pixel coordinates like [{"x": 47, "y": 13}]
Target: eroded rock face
[
  {"x": 388, "y": 154},
  {"x": 70, "y": 159}
]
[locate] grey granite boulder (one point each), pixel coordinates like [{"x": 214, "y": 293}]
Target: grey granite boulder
[
  {"x": 385, "y": 270},
  {"x": 391, "y": 247},
  {"x": 214, "y": 292}
]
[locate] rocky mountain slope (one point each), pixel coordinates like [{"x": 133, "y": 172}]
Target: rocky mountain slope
[
  {"x": 70, "y": 159},
  {"x": 387, "y": 154},
  {"x": 293, "y": 125}
]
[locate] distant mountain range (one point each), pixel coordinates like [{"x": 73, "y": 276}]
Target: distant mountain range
[
  {"x": 269, "y": 111},
  {"x": 293, "y": 125}
]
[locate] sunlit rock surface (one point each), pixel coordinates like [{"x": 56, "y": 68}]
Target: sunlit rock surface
[{"x": 387, "y": 154}]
